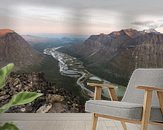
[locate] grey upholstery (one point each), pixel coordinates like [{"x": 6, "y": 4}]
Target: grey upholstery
[
  {"x": 132, "y": 103},
  {"x": 132, "y": 111}
]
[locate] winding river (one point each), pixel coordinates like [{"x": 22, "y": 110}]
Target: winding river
[{"x": 72, "y": 67}]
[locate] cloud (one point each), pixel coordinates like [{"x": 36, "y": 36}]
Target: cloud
[
  {"x": 104, "y": 15},
  {"x": 157, "y": 24},
  {"x": 126, "y": 6},
  {"x": 142, "y": 23}
]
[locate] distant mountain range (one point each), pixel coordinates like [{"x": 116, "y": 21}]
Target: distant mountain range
[
  {"x": 13, "y": 48},
  {"x": 114, "y": 56},
  {"x": 40, "y": 43},
  {"x": 38, "y": 40}
]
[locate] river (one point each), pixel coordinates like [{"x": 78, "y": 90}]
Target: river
[{"x": 72, "y": 67}]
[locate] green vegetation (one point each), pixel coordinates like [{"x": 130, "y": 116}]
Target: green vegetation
[
  {"x": 20, "y": 98},
  {"x": 4, "y": 72},
  {"x": 101, "y": 72},
  {"x": 51, "y": 70},
  {"x": 41, "y": 46},
  {"x": 8, "y": 126}
]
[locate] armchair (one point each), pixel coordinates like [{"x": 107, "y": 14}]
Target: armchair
[{"x": 137, "y": 106}]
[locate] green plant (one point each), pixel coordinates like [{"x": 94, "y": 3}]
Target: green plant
[{"x": 18, "y": 99}]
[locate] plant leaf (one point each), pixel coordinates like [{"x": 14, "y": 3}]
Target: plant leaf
[
  {"x": 24, "y": 98},
  {"x": 5, "y": 107},
  {"x": 4, "y": 72},
  {"x": 8, "y": 126},
  {"x": 20, "y": 99}
]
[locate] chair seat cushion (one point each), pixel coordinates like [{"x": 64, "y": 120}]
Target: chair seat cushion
[{"x": 131, "y": 111}]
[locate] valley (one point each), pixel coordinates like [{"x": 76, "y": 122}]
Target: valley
[
  {"x": 116, "y": 55},
  {"x": 72, "y": 67},
  {"x": 71, "y": 63}
]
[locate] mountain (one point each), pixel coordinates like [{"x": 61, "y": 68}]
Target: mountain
[
  {"x": 13, "y": 48},
  {"x": 151, "y": 31},
  {"x": 114, "y": 56},
  {"x": 40, "y": 43},
  {"x": 37, "y": 40}
]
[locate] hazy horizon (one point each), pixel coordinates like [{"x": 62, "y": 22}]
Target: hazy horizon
[
  {"x": 61, "y": 35},
  {"x": 76, "y": 17}
]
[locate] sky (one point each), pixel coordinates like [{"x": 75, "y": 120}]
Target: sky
[{"x": 83, "y": 17}]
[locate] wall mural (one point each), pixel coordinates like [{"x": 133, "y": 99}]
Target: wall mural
[{"x": 57, "y": 47}]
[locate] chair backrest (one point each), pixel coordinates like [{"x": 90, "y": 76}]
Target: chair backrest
[{"x": 146, "y": 77}]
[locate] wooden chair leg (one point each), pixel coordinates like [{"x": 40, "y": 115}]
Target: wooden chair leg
[
  {"x": 160, "y": 98},
  {"x": 146, "y": 110},
  {"x": 124, "y": 125},
  {"x": 94, "y": 122}
]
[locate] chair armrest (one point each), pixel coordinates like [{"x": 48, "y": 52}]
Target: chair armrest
[
  {"x": 149, "y": 88},
  {"x": 101, "y": 85},
  {"x": 148, "y": 91},
  {"x": 98, "y": 91}
]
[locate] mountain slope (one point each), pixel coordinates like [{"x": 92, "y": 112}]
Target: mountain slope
[
  {"x": 114, "y": 56},
  {"x": 13, "y": 48}
]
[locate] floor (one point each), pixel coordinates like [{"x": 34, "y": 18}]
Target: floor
[{"x": 58, "y": 121}]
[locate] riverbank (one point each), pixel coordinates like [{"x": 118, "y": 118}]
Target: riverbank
[{"x": 72, "y": 67}]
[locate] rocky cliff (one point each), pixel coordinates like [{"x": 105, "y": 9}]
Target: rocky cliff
[{"x": 54, "y": 99}]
